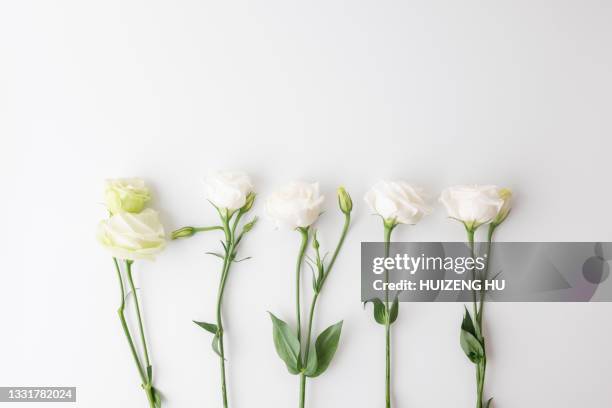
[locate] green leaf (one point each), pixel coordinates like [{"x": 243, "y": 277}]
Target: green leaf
[
  {"x": 215, "y": 346},
  {"x": 286, "y": 344},
  {"x": 468, "y": 324},
  {"x": 249, "y": 225},
  {"x": 380, "y": 312},
  {"x": 309, "y": 262},
  {"x": 326, "y": 346},
  {"x": 489, "y": 403},
  {"x": 394, "y": 311},
  {"x": 150, "y": 373},
  {"x": 215, "y": 254},
  {"x": 315, "y": 284},
  {"x": 311, "y": 364},
  {"x": 212, "y": 328},
  {"x": 209, "y": 327},
  {"x": 470, "y": 344},
  {"x": 471, "y": 347}
]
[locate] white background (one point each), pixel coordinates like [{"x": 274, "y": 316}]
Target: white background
[{"x": 516, "y": 93}]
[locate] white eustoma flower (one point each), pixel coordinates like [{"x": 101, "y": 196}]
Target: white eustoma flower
[
  {"x": 228, "y": 189},
  {"x": 398, "y": 202},
  {"x": 133, "y": 235},
  {"x": 126, "y": 195},
  {"x": 295, "y": 205},
  {"x": 474, "y": 205}
]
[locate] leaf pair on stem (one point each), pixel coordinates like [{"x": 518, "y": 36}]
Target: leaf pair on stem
[
  {"x": 381, "y": 315},
  {"x": 299, "y": 355},
  {"x": 288, "y": 348}
]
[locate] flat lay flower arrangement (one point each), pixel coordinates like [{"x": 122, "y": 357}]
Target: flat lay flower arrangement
[{"x": 133, "y": 232}]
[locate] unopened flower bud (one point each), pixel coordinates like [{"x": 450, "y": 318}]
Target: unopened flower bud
[
  {"x": 250, "y": 199},
  {"x": 506, "y": 195},
  {"x": 315, "y": 242},
  {"x": 344, "y": 201},
  {"x": 184, "y": 232},
  {"x": 249, "y": 226}
]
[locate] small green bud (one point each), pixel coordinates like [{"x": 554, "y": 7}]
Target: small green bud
[
  {"x": 250, "y": 199},
  {"x": 344, "y": 201},
  {"x": 249, "y": 226},
  {"x": 506, "y": 195},
  {"x": 315, "y": 241},
  {"x": 184, "y": 232}
]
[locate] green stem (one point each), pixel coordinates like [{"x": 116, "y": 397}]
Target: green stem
[
  {"x": 124, "y": 325},
  {"x": 128, "y": 265},
  {"x": 229, "y": 245},
  {"x": 310, "y": 320},
  {"x": 388, "y": 365},
  {"x": 220, "y": 330},
  {"x": 298, "y": 308},
  {"x": 307, "y": 350},
  {"x": 221, "y": 342},
  {"x": 204, "y": 229},
  {"x": 470, "y": 233},
  {"x": 482, "y": 365},
  {"x": 388, "y": 229},
  {"x": 150, "y": 394},
  {"x": 145, "y": 383},
  {"x": 302, "y": 390},
  {"x": 475, "y": 319},
  {"x": 480, "y": 380},
  {"x": 298, "y": 269},
  {"x": 347, "y": 222},
  {"x": 486, "y": 271},
  {"x": 236, "y": 221}
]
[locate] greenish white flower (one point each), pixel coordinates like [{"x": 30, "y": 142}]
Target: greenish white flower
[
  {"x": 133, "y": 235},
  {"x": 126, "y": 195},
  {"x": 473, "y": 205},
  {"x": 398, "y": 202}
]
